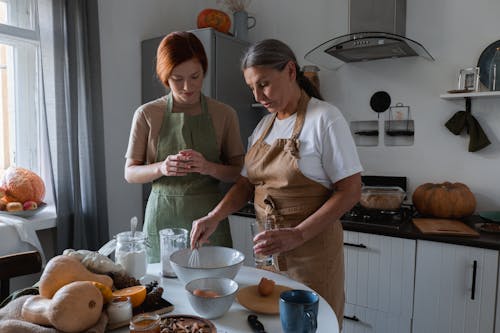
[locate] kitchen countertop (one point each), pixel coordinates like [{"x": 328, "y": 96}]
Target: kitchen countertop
[{"x": 409, "y": 230}]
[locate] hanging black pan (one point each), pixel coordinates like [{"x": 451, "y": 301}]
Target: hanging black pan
[{"x": 380, "y": 101}]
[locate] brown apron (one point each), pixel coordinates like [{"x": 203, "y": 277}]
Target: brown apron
[{"x": 286, "y": 197}]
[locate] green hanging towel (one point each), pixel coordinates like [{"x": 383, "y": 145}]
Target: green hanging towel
[{"x": 464, "y": 119}]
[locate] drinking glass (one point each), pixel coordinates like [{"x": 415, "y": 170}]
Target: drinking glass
[
  {"x": 261, "y": 261},
  {"x": 171, "y": 240}
]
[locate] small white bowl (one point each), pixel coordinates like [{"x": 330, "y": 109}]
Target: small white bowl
[
  {"x": 212, "y": 307},
  {"x": 215, "y": 261}
]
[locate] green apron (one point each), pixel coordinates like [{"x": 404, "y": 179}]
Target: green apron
[{"x": 176, "y": 201}]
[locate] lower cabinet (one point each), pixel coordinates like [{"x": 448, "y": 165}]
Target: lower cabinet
[
  {"x": 455, "y": 288},
  {"x": 379, "y": 282},
  {"x": 367, "y": 320}
]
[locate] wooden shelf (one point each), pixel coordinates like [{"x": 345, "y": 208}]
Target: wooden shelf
[{"x": 471, "y": 94}]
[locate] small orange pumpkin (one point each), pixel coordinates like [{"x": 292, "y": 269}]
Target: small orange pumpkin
[
  {"x": 21, "y": 185},
  {"x": 214, "y": 18},
  {"x": 445, "y": 200}
]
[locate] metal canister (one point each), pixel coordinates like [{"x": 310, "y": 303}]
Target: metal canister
[{"x": 311, "y": 72}]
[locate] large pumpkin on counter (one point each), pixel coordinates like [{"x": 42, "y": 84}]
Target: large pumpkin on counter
[
  {"x": 214, "y": 18},
  {"x": 445, "y": 200}
]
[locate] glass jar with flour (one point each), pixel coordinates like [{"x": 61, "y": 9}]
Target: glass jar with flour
[{"x": 131, "y": 253}]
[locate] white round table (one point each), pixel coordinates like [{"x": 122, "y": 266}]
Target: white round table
[{"x": 235, "y": 320}]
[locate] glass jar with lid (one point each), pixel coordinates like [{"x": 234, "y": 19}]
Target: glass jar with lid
[{"x": 131, "y": 253}]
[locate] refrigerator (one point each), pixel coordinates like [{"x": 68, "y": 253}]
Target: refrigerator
[{"x": 224, "y": 80}]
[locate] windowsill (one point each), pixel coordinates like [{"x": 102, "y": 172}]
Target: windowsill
[{"x": 46, "y": 219}]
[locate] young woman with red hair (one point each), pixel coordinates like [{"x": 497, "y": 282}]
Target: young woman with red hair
[{"x": 185, "y": 143}]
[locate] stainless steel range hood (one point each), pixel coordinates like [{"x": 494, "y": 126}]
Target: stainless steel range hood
[{"x": 377, "y": 31}]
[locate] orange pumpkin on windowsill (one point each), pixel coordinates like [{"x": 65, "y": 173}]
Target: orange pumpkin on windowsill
[
  {"x": 214, "y": 18},
  {"x": 22, "y": 185}
]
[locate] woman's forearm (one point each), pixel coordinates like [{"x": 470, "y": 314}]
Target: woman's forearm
[
  {"x": 346, "y": 194},
  {"x": 223, "y": 172},
  {"x": 239, "y": 194},
  {"x": 142, "y": 173}
]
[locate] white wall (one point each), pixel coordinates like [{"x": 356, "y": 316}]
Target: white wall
[{"x": 454, "y": 31}]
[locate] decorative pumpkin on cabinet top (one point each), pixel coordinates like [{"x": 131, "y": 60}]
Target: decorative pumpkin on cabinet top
[
  {"x": 445, "y": 200},
  {"x": 214, "y": 18}
]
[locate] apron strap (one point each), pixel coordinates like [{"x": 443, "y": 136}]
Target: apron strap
[
  {"x": 170, "y": 103},
  {"x": 299, "y": 122}
]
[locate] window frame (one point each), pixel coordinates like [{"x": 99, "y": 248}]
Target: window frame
[{"x": 24, "y": 66}]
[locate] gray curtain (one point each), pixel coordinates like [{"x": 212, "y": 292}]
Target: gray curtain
[{"x": 74, "y": 125}]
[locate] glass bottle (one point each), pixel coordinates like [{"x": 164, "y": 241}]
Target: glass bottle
[
  {"x": 495, "y": 71},
  {"x": 131, "y": 253}
]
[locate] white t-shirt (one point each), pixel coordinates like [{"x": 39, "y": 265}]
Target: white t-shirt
[{"x": 327, "y": 150}]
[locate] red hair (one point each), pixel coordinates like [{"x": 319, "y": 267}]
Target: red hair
[{"x": 176, "y": 48}]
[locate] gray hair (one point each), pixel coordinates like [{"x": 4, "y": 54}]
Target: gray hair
[
  {"x": 275, "y": 54},
  {"x": 268, "y": 53}
]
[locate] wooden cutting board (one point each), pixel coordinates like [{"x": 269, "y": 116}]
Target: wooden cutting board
[{"x": 444, "y": 227}]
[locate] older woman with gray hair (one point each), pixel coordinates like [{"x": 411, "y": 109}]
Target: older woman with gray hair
[{"x": 302, "y": 171}]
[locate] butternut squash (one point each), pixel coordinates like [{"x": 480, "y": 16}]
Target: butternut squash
[
  {"x": 62, "y": 270},
  {"x": 75, "y": 307}
]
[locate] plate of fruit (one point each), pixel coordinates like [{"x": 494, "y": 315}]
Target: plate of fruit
[
  {"x": 28, "y": 209},
  {"x": 21, "y": 192}
]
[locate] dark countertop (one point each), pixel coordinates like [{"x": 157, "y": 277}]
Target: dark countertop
[{"x": 408, "y": 230}]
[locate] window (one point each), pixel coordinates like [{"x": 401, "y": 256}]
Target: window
[{"x": 20, "y": 110}]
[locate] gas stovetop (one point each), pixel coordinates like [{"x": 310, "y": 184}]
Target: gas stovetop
[{"x": 384, "y": 218}]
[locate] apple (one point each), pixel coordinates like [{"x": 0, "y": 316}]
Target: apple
[
  {"x": 14, "y": 207},
  {"x": 30, "y": 205}
]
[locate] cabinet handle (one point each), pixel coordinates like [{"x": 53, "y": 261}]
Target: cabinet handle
[
  {"x": 363, "y": 246},
  {"x": 353, "y": 318},
  {"x": 474, "y": 273}
]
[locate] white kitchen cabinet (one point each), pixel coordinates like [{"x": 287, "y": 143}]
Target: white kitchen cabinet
[
  {"x": 455, "y": 288},
  {"x": 374, "y": 321},
  {"x": 379, "y": 282},
  {"x": 242, "y": 236}
]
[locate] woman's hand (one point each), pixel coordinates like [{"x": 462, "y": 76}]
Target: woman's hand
[
  {"x": 197, "y": 162},
  {"x": 201, "y": 229},
  {"x": 277, "y": 241},
  {"x": 175, "y": 165}
]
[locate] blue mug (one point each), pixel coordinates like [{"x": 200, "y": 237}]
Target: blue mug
[{"x": 299, "y": 311}]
